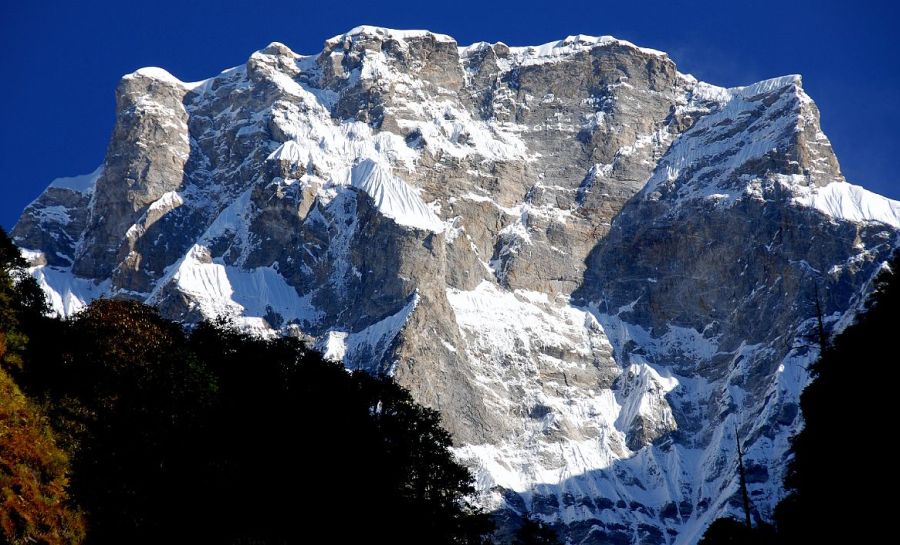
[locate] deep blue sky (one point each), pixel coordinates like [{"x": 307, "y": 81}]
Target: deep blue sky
[{"x": 60, "y": 61}]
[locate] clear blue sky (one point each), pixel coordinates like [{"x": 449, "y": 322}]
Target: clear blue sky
[{"x": 60, "y": 61}]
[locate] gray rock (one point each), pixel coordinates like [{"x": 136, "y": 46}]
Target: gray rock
[{"x": 595, "y": 267}]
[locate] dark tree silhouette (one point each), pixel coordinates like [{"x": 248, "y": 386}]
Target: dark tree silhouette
[
  {"x": 841, "y": 465},
  {"x": 215, "y": 436},
  {"x": 729, "y": 531},
  {"x": 847, "y": 409},
  {"x": 21, "y": 300},
  {"x": 535, "y": 532},
  {"x": 742, "y": 481}
]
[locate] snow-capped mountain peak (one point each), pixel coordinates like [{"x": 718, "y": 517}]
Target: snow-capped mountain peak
[{"x": 597, "y": 268}]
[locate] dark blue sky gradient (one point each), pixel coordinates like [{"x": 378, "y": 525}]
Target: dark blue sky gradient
[{"x": 60, "y": 61}]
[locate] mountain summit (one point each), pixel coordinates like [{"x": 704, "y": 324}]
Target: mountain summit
[{"x": 598, "y": 269}]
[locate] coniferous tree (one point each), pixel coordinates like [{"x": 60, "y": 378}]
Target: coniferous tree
[
  {"x": 742, "y": 482},
  {"x": 21, "y": 300}
]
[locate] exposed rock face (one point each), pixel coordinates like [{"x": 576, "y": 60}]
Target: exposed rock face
[
  {"x": 597, "y": 268},
  {"x": 144, "y": 166}
]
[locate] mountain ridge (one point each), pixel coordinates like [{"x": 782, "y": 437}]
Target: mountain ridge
[{"x": 597, "y": 268}]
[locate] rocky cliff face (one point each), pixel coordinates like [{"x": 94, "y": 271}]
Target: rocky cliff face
[{"x": 599, "y": 270}]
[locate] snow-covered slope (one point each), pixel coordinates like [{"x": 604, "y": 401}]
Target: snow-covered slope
[
  {"x": 392, "y": 196},
  {"x": 82, "y": 184},
  {"x": 850, "y": 202},
  {"x": 597, "y": 268}
]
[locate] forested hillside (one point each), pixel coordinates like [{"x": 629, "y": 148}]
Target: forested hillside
[{"x": 132, "y": 429}]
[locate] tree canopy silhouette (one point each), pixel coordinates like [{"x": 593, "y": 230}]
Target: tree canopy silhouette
[
  {"x": 838, "y": 456},
  {"x": 535, "y": 532},
  {"x": 847, "y": 408},
  {"x": 211, "y": 435}
]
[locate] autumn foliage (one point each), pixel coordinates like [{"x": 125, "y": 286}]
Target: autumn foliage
[
  {"x": 34, "y": 505},
  {"x": 34, "y": 471}
]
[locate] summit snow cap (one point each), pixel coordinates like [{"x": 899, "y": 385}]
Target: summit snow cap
[{"x": 388, "y": 33}]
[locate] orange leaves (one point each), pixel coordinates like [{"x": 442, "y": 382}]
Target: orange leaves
[
  {"x": 34, "y": 471},
  {"x": 34, "y": 505}
]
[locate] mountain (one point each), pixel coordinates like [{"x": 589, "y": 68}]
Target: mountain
[{"x": 601, "y": 271}]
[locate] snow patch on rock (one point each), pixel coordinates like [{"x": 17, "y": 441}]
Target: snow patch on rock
[
  {"x": 82, "y": 184},
  {"x": 570, "y": 45},
  {"x": 215, "y": 289},
  {"x": 845, "y": 201},
  {"x": 161, "y": 74},
  {"x": 66, "y": 293},
  {"x": 367, "y": 348},
  {"x": 392, "y": 196}
]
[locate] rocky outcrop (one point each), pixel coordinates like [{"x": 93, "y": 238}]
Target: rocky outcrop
[
  {"x": 144, "y": 165},
  {"x": 597, "y": 269},
  {"x": 55, "y": 221}
]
